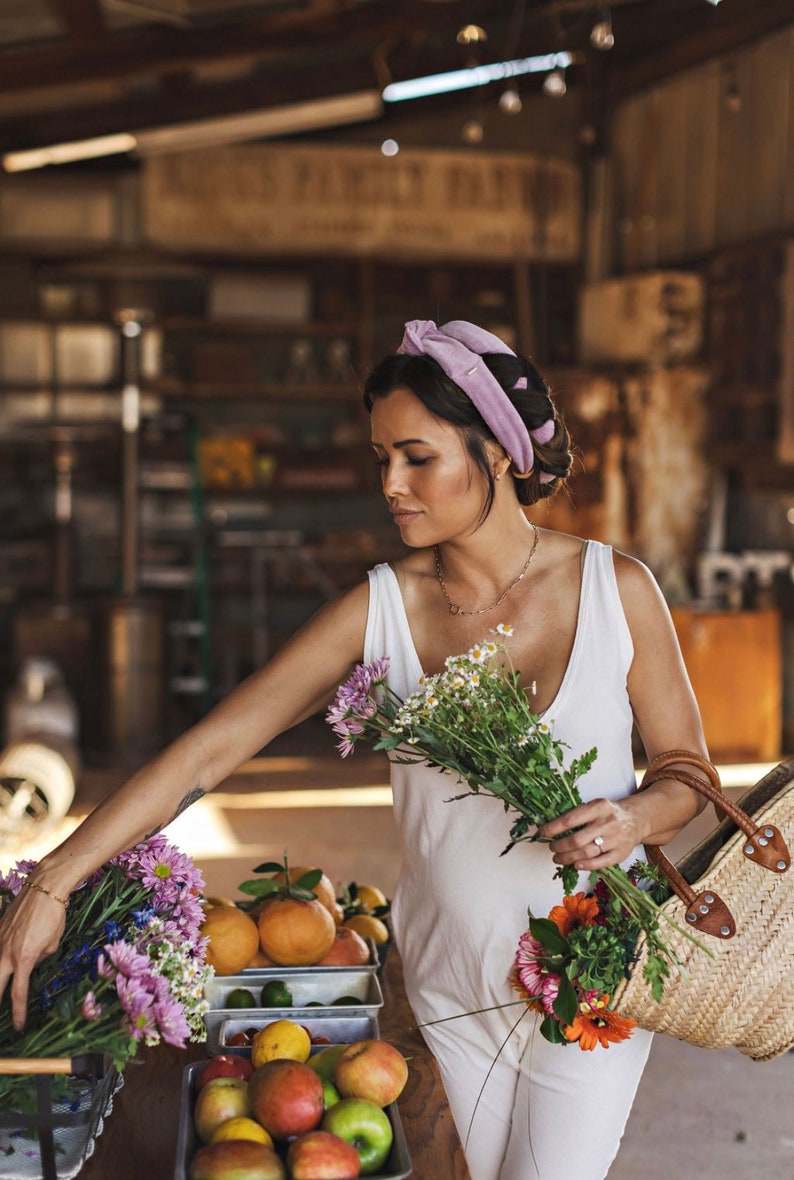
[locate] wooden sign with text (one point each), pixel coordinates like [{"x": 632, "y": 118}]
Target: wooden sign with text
[{"x": 343, "y": 200}]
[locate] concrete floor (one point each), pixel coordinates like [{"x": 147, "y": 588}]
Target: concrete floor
[{"x": 698, "y": 1113}]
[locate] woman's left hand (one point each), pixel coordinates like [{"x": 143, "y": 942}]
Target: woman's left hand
[{"x": 605, "y": 834}]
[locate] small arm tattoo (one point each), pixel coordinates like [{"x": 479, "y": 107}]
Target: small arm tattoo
[{"x": 189, "y": 799}]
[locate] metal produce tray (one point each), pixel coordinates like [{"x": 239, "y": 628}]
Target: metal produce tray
[
  {"x": 320, "y": 985},
  {"x": 398, "y": 1166},
  {"x": 338, "y": 1029}
]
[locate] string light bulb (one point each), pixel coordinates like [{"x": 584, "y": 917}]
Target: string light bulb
[
  {"x": 602, "y": 36},
  {"x": 554, "y": 83},
  {"x": 510, "y": 101},
  {"x": 473, "y": 131},
  {"x": 471, "y": 35}
]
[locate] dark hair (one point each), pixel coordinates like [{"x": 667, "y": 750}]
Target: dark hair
[{"x": 425, "y": 378}]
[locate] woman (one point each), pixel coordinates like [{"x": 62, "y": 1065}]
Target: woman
[{"x": 466, "y": 436}]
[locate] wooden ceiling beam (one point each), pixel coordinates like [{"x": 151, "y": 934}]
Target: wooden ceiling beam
[
  {"x": 83, "y": 19},
  {"x": 159, "y": 50},
  {"x": 185, "y": 102}
]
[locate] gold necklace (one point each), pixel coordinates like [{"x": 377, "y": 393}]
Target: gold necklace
[{"x": 454, "y": 609}]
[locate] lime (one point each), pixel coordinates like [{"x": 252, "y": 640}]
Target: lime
[
  {"x": 240, "y": 997},
  {"x": 347, "y": 1000},
  {"x": 276, "y": 994}
]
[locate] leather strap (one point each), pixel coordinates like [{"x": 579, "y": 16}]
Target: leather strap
[{"x": 706, "y": 911}]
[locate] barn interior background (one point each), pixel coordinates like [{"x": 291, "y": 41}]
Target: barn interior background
[{"x": 189, "y": 298}]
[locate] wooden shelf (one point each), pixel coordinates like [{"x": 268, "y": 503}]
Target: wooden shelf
[
  {"x": 272, "y": 391},
  {"x": 258, "y": 327}
]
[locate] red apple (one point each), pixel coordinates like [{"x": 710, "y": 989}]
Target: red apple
[
  {"x": 220, "y": 1099},
  {"x": 318, "y": 1155},
  {"x": 371, "y": 1069},
  {"x": 225, "y": 1065},
  {"x": 364, "y": 1126},
  {"x": 236, "y": 1159},
  {"x": 286, "y": 1097}
]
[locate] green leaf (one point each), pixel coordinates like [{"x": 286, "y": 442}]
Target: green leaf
[
  {"x": 310, "y": 879},
  {"x": 551, "y": 1029},
  {"x": 259, "y": 888},
  {"x": 548, "y": 935},
  {"x": 270, "y": 866},
  {"x": 566, "y": 1004}
]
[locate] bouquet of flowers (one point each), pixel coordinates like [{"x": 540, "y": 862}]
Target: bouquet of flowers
[
  {"x": 474, "y": 721},
  {"x": 130, "y": 967}
]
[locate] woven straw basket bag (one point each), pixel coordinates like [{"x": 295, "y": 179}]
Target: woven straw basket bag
[{"x": 735, "y": 892}]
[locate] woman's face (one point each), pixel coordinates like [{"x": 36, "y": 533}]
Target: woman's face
[{"x": 433, "y": 488}]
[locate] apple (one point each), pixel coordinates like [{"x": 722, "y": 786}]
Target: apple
[
  {"x": 225, "y": 1065},
  {"x": 286, "y": 1097},
  {"x": 324, "y": 1061},
  {"x": 347, "y": 950},
  {"x": 366, "y": 1127},
  {"x": 319, "y": 1155},
  {"x": 220, "y": 1099},
  {"x": 236, "y": 1159},
  {"x": 371, "y": 1069},
  {"x": 330, "y": 1093}
]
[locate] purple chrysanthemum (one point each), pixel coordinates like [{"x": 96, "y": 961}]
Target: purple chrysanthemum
[{"x": 91, "y": 1008}]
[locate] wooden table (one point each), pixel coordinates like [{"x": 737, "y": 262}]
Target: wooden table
[{"x": 139, "y": 1139}]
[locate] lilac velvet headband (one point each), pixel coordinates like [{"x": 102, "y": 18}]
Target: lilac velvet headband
[{"x": 458, "y": 347}]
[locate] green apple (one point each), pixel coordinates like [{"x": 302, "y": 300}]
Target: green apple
[
  {"x": 324, "y": 1061},
  {"x": 364, "y": 1125},
  {"x": 330, "y": 1093}
]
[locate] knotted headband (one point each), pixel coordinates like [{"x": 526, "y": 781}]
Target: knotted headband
[{"x": 459, "y": 347}]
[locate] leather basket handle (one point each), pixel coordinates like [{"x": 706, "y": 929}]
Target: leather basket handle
[{"x": 706, "y": 911}]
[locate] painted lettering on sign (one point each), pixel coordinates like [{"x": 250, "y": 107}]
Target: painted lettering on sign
[{"x": 356, "y": 201}]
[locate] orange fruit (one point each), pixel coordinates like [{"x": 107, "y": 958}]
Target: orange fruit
[
  {"x": 295, "y": 933},
  {"x": 278, "y": 1040},
  {"x": 233, "y": 939},
  {"x": 241, "y": 1127},
  {"x": 368, "y": 926},
  {"x": 347, "y": 950},
  {"x": 323, "y": 890},
  {"x": 260, "y": 959}
]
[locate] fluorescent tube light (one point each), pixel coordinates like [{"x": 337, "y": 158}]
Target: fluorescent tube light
[
  {"x": 280, "y": 120},
  {"x": 67, "y": 153},
  {"x": 474, "y": 76}
]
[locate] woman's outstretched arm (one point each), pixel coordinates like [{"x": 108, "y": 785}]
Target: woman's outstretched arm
[{"x": 298, "y": 681}]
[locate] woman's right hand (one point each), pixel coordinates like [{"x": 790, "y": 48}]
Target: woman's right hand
[{"x": 31, "y": 927}]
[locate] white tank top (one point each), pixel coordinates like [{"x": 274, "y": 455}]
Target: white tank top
[{"x": 460, "y": 906}]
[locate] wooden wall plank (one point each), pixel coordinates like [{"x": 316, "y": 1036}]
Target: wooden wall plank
[
  {"x": 788, "y": 114},
  {"x": 671, "y": 181},
  {"x": 733, "y": 161},
  {"x": 700, "y": 155},
  {"x": 765, "y": 179}
]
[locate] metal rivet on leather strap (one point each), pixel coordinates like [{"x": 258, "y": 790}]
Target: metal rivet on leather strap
[
  {"x": 769, "y": 832},
  {"x": 709, "y": 897},
  {"x": 691, "y": 917},
  {"x": 781, "y": 864},
  {"x": 748, "y": 850},
  {"x": 725, "y": 931},
  {"x": 762, "y": 841},
  {"x": 704, "y": 909}
]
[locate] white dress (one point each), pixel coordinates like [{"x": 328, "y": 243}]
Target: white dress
[{"x": 543, "y": 1112}]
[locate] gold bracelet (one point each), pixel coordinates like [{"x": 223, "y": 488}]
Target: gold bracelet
[{"x": 40, "y": 889}]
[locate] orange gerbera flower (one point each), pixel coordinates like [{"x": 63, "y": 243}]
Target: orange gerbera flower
[
  {"x": 517, "y": 986},
  {"x": 576, "y": 910},
  {"x": 595, "y": 1025}
]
